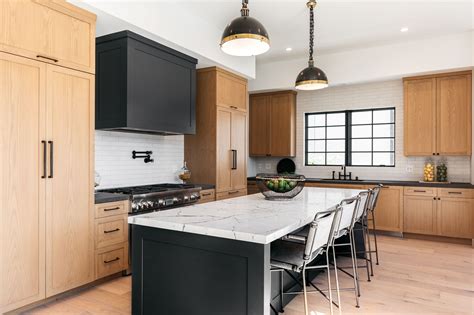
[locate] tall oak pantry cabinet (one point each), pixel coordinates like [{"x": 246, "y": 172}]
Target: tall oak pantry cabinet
[{"x": 47, "y": 52}]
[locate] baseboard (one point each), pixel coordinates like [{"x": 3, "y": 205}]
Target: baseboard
[{"x": 436, "y": 238}]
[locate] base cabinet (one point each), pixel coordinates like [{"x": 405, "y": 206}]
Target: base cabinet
[
  {"x": 389, "y": 210},
  {"x": 420, "y": 215},
  {"x": 455, "y": 217}
]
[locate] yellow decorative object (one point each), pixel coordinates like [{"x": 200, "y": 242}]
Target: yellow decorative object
[{"x": 429, "y": 172}]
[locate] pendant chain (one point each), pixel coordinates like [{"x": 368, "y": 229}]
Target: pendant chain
[{"x": 311, "y": 35}]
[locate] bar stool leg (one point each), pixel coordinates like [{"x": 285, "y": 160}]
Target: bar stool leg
[
  {"x": 329, "y": 282},
  {"x": 337, "y": 281},
  {"x": 281, "y": 292},
  {"x": 303, "y": 273},
  {"x": 375, "y": 239},
  {"x": 369, "y": 245},
  {"x": 365, "y": 235},
  {"x": 354, "y": 270}
]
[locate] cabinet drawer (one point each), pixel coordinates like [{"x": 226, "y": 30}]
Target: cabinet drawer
[
  {"x": 231, "y": 194},
  {"x": 420, "y": 191},
  {"x": 111, "y": 208},
  {"x": 455, "y": 193},
  {"x": 111, "y": 260},
  {"x": 111, "y": 231},
  {"x": 207, "y": 195}
]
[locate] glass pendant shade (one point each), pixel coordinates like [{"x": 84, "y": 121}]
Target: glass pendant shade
[{"x": 245, "y": 36}]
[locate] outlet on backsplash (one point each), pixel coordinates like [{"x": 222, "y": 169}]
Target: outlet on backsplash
[
  {"x": 268, "y": 166},
  {"x": 409, "y": 169}
]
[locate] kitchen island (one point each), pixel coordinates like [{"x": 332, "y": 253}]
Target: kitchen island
[{"x": 214, "y": 258}]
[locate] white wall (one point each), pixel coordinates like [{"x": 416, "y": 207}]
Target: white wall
[
  {"x": 187, "y": 32},
  {"x": 373, "y": 63},
  {"x": 369, "y": 95},
  {"x": 114, "y": 163}
]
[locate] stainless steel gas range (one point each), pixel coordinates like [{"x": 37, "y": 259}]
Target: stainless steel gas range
[{"x": 159, "y": 197}]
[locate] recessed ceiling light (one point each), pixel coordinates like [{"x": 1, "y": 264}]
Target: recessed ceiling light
[
  {"x": 289, "y": 49},
  {"x": 404, "y": 29}
]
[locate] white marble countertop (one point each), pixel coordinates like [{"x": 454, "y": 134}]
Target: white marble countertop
[{"x": 249, "y": 218}]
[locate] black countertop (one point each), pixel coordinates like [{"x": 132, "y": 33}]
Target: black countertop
[
  {"x": 103, "y": 197},
  {"x": 386, "y": 182}
]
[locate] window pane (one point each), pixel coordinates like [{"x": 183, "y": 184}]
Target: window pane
[
  {"x": 316, "y": 133},
  {"x": 316, "y": 120},
  {"x": 384, "y": 159},
  {"x": 316, "y": 158},
  {"x": 362, "y": 145},
  {"x": 359, "y": 118},
  {"x": 336, "y": 158},
  {"x": 337, "y": 119},
  {"x": 316, "y": 146},
  {"x": 336, "y": 146},
  {"x": 361, "y": 131},
  {"x": 384, "y": 116},
  {"x": 336, "y": 132},
  {"x": 361, "y": 158},
  {"x": 384, "y": 131},
  {"x": 384, "y": 145}
]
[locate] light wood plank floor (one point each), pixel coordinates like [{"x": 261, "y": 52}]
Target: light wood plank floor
[{"x": 414, "y": 277}]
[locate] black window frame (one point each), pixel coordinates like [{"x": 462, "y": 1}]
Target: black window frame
[{"x": 348, "y": 136}]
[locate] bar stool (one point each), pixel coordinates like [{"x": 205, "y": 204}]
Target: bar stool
[
  {"x": 295, "y": 252},
  {"x": 371, "y": 209}
]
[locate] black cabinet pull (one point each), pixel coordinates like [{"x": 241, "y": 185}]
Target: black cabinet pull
[
  {"x": 47, "y": 58},
  {"x": 234, "y": 159},
  {"x": 420, "y": 191},
  {"x": 454, "y": 192},
  {"x": 206, "y": 194},
  {"x": 233, "y": 192},
  {"x": 112, "y": 260},
  {"x": 434, "y": 198},
  {"x": 51, "y": 159},
  {"x": 111, "y": 231},
  {"x": 111, "y": 209},
  {"x": 44, "y": 158}
]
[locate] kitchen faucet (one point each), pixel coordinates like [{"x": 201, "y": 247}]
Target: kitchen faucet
[{"x": 344, "y": 175}]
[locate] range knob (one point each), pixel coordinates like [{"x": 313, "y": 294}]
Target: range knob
[
  {"x": 175, "y": 200},
  {"x": 186, "y": 198},
  {"x": 150, "y": 204},
  {"x": 134, "y": 206},
  {"x": 161, "y": 202},
  {"x": 194, "y": 197}
]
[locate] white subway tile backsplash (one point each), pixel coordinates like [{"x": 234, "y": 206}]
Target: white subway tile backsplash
[
  {"x": 369, "y": 95},
  {"x": 114, "y": 163}
]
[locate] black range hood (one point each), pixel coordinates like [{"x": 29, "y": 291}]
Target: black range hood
[{"x": 143, "y": 86}]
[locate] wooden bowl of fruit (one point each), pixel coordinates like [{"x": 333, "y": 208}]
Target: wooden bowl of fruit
[{"x": 278, "y": 187}]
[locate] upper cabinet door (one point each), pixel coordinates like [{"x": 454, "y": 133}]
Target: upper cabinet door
[
  {"x": 51, "y": 31},
  {"x": 224, "y": 154},
  {"x": 454, "y": 115},
  {"x": 259, "y": 121},
  {"x": 420, "y": 116},
  {"x": 22, "y": 188},
  {"x": 69, "y": 190},
  {"x": 239, "y": 145},
  {"x": 231, "y": 91},
  {"x": 282, "y": 125}
]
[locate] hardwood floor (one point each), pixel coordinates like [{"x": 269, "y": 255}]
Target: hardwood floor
[{"x": 414, "y": 277}]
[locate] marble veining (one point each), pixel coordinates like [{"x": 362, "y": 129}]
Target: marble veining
[{"x": 249, "y": 218}]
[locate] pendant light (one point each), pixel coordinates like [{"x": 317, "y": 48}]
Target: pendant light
[
  {"x": 245, "y": 36},
  {"x": 311, "y": 78}
]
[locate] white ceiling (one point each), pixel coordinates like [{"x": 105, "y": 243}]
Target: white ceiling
[{"x": 341, "y": 24}]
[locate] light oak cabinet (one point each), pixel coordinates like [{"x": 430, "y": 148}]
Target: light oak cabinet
[
  {"x": 69, "y": 187},
  {"x": 111, "y": 238},
  {"x": 217, "y": 153},
  {"x": 46, "y": 136},
  {"x": 439, "y": 211},
  {"x": 22, "y": 188},
  {"x": 50, "y": 31},
  {"x": 437, "y": 117},
  {"x": 207, "y": 195},
  {"x": 272, "y": 120},
  {"x": 389, "y": 211}
]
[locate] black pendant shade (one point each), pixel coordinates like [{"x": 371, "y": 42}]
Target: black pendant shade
[
  {"x": 245, "y": 36},
  {"x": 311, "y": 78}
]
